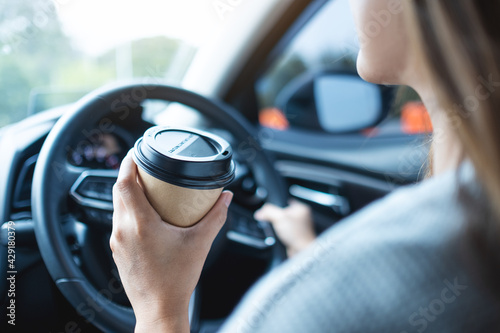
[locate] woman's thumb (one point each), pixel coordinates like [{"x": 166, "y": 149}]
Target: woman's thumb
[{"x": 216, "y": 217}]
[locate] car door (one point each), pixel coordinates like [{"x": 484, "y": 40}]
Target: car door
[{"x": 336, "y": 173}]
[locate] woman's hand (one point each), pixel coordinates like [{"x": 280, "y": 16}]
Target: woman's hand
[
  {"x": 293, "y": 225},
  {"x": 159, "y": 264}
]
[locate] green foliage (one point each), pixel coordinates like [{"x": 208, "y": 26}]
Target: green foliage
[
  {"x": 31, "y": 41},
  {"x": 153, "y": 55},
  {"x": 283, "y": 71},
  {"x": 290, "y": 66},
  {"x": 39, "y": 63},
  {"x": 330, "y": 60},
  {"x": 14, "y": 91}
]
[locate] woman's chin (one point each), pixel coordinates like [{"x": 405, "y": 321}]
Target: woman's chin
[
  {"x": 367, "y": 72},
  {"x": 368, "y": 76},
  {"x": 377, "y": 74}
]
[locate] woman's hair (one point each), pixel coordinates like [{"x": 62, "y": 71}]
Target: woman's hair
[{"x": 458, "y": 42}]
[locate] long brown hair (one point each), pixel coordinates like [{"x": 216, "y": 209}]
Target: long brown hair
[{"x": 459, "y": 43}]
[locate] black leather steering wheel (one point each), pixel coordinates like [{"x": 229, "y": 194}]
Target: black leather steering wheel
[{"x": 55, "y": 177}]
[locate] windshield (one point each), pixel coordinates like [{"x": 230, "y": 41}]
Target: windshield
[{"x": 54, "y": 51}]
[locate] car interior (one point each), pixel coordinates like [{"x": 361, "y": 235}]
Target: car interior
[{"x": 302, "y": 125}]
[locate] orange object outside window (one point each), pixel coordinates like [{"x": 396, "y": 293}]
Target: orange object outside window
[
  {"x": 273, "y": 118},
  {"x": 415, "y": 119}
]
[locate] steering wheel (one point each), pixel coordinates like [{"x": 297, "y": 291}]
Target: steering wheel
[{"x": 56, "y": 180}]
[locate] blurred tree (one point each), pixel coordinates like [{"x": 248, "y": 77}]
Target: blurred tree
[
  {"x": 151, "y": 56},
  {"x": 291, "y": 65},
  {"x": 283, "y": 71},
  {"x": 39, "y": 63},
  {"x": 31, "y": 42},
  {"x": 340, "y": 61},
  {"x": 14, "y": 91}
]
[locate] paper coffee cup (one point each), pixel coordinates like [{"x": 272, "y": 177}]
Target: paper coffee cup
[{"x": 182, "y": 171}]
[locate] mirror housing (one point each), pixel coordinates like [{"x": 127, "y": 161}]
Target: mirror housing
[{"x": 334, "y": 102}]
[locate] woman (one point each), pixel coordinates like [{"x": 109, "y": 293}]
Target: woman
[{"x": 425, "y": 258}]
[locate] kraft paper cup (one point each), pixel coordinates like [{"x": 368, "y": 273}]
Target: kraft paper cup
[{"x": 183, "y": 172}]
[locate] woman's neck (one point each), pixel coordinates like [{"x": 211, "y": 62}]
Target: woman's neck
[{"x": 446, "y": 149}]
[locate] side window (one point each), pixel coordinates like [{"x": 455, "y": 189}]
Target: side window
[{"x": 313, "y": 84}]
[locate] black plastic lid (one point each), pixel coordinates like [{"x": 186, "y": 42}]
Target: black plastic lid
[{"x": 185, "y": 157}]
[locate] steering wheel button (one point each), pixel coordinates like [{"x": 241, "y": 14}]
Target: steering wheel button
[{"x": 102, "y": 189}]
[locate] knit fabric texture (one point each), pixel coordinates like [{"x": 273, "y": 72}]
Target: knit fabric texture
[{"x": 396, "y": 266}]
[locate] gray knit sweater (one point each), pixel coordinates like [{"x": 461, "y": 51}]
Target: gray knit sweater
[{"x": 396, "y": 266}]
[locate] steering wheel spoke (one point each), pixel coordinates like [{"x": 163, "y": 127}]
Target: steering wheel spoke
[
  {"x": 245, "y": 230},
  {"x": 92, "y": 193},
  {"x": 65, "y": 174}
]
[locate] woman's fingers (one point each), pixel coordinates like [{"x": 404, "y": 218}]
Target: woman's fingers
[
  {"x": 275, "y": 214},
  {"x": 270, "y": 213},
  {"x": 211, "y": 224},
  {"x": 159, "y": 263},
  {"x": 293, "y": 224},
  {"x": 133, "y": 198},
  {"x": 129, "y": 196},
  {"x": 127, "y": 181}
]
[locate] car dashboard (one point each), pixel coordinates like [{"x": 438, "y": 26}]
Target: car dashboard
[{"x": 99, "y": 152}]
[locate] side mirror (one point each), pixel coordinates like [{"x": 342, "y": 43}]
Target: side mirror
[{"x": 334, "y": 102}]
